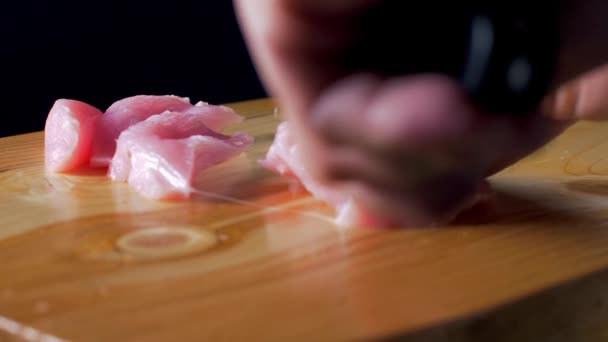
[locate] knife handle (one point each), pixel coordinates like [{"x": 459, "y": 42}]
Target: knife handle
[
  {"x": 503, "y": 52},
  {"x": 512, "y": 54}
]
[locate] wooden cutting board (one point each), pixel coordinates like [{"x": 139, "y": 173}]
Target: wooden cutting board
[{"x": 85, "y": 259}]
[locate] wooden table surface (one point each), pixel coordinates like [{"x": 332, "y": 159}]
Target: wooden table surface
[{"x": 85, "y": 259}]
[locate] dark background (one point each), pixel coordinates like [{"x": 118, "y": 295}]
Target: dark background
[{"x": 101, "y": 51}]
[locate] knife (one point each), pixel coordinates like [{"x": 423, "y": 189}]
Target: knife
[{"x": 504, "y": 53}]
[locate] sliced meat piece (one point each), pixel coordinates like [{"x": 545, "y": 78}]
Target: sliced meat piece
[
  {"x": 284, "y": 158},
  {"x": 132, "y": 110},
  {"x": 162, "y": 156},
  {"x": 215, "y": 117},
  {"x": 68, "y": 135}
]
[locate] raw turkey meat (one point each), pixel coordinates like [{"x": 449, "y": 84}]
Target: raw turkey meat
[
  {"x": 284, "y": 158},
  {"x": 159, "y": 144},
  {"x": 161, "y": 156},
  {"x": 68, "y": 137},
  {"x": 132, "y": 110}
]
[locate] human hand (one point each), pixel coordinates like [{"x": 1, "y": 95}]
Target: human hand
[{"x": 412, "y": 149}]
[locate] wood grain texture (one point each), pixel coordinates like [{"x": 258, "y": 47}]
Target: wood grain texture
[{"x": 85, "y": 259}]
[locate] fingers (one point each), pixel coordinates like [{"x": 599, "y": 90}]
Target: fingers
[
  {"x": 404, "y": 113},
  {"x": 585, "y": 98},
  {"x": 397, "y": 120}
]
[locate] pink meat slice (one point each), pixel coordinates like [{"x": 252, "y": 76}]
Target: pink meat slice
[
  {"x": 284, "y": 158},
  {"x": 161, "y": 156},
  {"x": 132, "y": 110},
  {"x": 68, "y": 135}
]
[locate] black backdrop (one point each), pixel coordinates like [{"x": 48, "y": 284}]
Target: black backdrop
[{"x": 99, "y": 51}]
